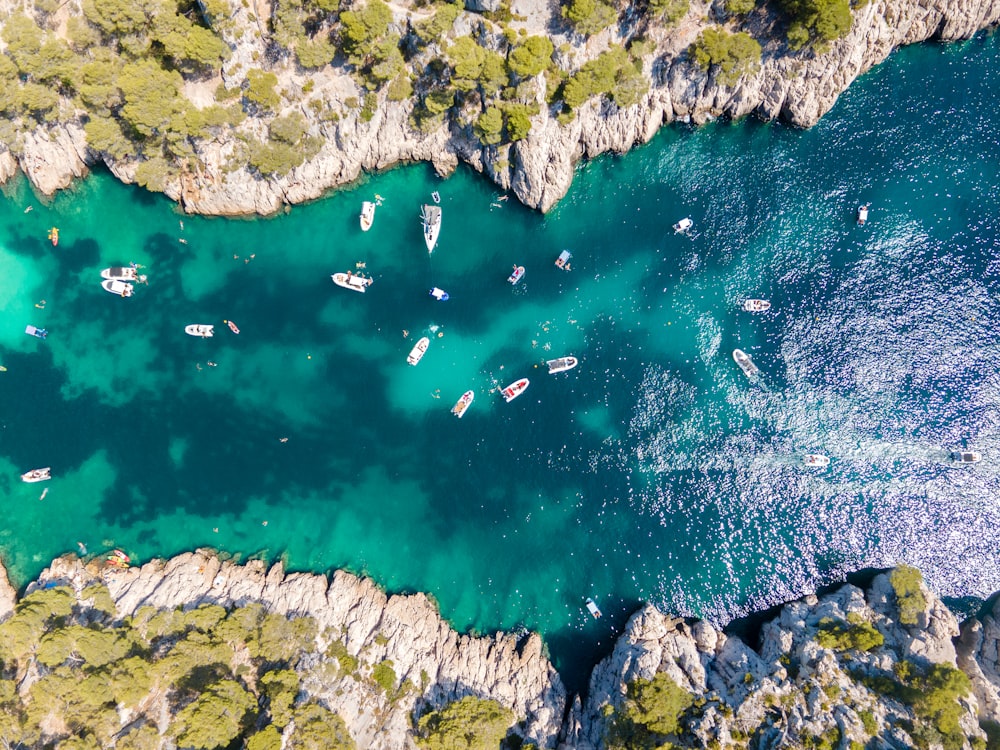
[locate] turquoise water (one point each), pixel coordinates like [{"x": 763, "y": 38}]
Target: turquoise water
[{"x": 653, "y": 471}]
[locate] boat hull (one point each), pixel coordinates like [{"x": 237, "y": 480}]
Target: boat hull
[
  {"x": 517, "y": 275},
  {"x": 199, "y": 330},
  {"x": 431, "y": 216},
  {"x": 418, "y": 351},
  {"x": 463, "y": 404},
  {"x": 561, "y": 364},
  {"x": 37, "y": 475},
  {"x": 351, "y": 281},
  {"x": 746, "y": 364},
  {"x": 514, "y": 390},
  {"x": 816, "y": 460},
  {"x": 756, "y": 305},
  {"x": 367, "y": 215}
]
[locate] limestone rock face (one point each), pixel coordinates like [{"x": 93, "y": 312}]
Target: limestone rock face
[
  {"x": 441, "y": 665},
  {"x": 799, "y": 87}
]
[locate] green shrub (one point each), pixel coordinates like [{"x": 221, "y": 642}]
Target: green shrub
[
  {"x": 489, "y": 126},
  {"x": 822, "y": 20},
  {"x": 840, "y": 636},
  {"x": 589, "y": 16},
  {"x": 261, "y": 89},
  {"x": 740, "y": 7},
  {"x": 518, "y": 121},
  {"x": 470, "y": 724},
  {"x": 868, "y": 722},
  {"x": 612, "y": 73},
  {"x": 669, "y": 11},
  {"x": 288, "y": 129},
  {"x": 216, "y": 717},
  {"x": 735, "y": 55},
  {"x": 910, "y": 598},
  {"x": 439, "y": 24},
  {"x": 531, "y": 57},
  {"x": 318, "y": 728},
  {"x": 399, "y": 89},
  {"x": 362, "y": 28},
  {"x": 651, "y": 714},
  {"x": 384, "y": 675}
]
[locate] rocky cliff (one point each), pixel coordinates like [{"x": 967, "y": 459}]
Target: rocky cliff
[
  {"x": 799, "y": 87},
  {"x": 850, "y": 669}
]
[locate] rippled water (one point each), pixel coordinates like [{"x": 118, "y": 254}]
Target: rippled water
[{"x": 653, "y": 471}]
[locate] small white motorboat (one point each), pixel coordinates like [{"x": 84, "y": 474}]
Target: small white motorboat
[
  {"x": 439, "y": 294},
  {"x": 125, "y": 273},
  {"x": 514, "y": 390},
  {"x": 561, "y": 364},
  {"x": 563, "y": 260},
  {"x": 352, "y": 281},
  {"x": 418, "y": 351},
  {"x": 367, "y": 215},
  {"x": 863, "y": 213},
  {"x": 38, "y": 333},
  {"x": 683, "y": 225},
  {"x": 516, "y": 275},
  {"x": 37, "y": 475},
  {"x": 966, "y": 457},
  {"x": 756, "y": 305},
  {"x": 200, "y": 330},
  {"x": 746, "y": 364},
  {"x": 816, "y": 459},
  {"x": 118, "y": 287},
  {"x": 436, "y": 196},
  {"x": 592, "y": 608},
  {"x": 463, "y": 403}
]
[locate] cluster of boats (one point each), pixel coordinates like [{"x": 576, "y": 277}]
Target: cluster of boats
[{"x": 120, "y": 280}]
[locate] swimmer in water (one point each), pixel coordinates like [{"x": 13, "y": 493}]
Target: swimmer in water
[{"x": 82, "y": 547}]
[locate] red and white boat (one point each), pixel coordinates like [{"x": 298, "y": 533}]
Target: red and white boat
[
  {"x": 516, "y": 275},
  {"x": 463, "y": 403},
  {"x": 816, "y": 459},
  {"x": 514, "y": 390},
  {"x": 756, "y": 305},
  {"x": 418, "y": 351},
  {"x": 232, "y": 326}
]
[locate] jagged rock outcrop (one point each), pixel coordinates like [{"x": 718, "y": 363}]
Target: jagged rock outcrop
[
  {"x": 407, "y": 630},
  {"x": 799, "y": 87},
  {"x": 838, "y": 669}
]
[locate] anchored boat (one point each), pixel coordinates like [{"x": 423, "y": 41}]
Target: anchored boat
[
  {"x": 367, "y": 215},
  {"x": 125, "y": 273},
  {"x": 232, "y": 326},
  {"x": 563, "y": 260},
  {"x": 431, "y": 216},
  {"x": 54, "y": 236},
  {"x": 37, "y": 475},
  {"x": 561, "y": 364},
  {"x": 418, "y": 351},
  {"x": 38, "y": 333},
  {"x": 514, "y": 390},
  {"x": 439, "y": 294},
  {"x": 592, "y": 608},
  {"x": 966, "y": 457},
  {"x": 118, "y": 287},
  {"x": 863, "y": 213},
  {"x": 463, "y": 403},
  {"x": 746, "y": 364},
  {"x": 756, "y": 305},
  {"x": 683, "y": 226},
  {"x": 200, "y": 330},
  {"x": 516, "y": 275},
  {"x": 351, "y": 281},
  {"x": 816, "y": 459}
]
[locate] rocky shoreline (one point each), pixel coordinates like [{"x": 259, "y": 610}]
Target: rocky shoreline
[
  {"x": 805, "y": 679},
  {"x": 797, "y": 87}
]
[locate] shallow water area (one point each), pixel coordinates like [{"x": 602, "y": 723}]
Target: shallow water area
[{"x": 655, "y": 470}]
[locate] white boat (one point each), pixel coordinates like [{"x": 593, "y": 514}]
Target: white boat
[
  {"x": 683, "y": 225},
  {"x": 352, "y": 281},
  {"x": 756, "y": 305},
  {"x": 863, "y": 213},
  {"x": 516, "y": 275},
  {"x": 439, "y": 294},
  {"x": 592, "y": 608},
  {"x": 816, "y": 459},
  {"x": 563, "y": 260},
  {"x": 746, "y": 364},
  {"x": 418, "y": 351},
  {"x": 561, "y": 364},
  {"x": 436, "y": 196},
  {"x": 38, "y": 333},
  {"x": 198, "y": 329},
  {"x": 463, "y": 403},
  {"x": 125, "y": 273},
  {"x": 36, "y": 475},
  {"x": 514, "y": 390},
  {"x": 119, "y": 287},
  {"x": 966, "y": 457},
  {"x": 431, "y": 216},
  {"x": 367, "y": 215}
]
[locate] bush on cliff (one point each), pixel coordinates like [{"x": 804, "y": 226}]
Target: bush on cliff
[
  {"x": 735, "y": 55},
  {"x": 910, "y": 598},
  {"x": 587, "y": 17},
  {"x": 816, "y": 21},
  {"x": 470, "y": 724},
  {"x": 856, "y": 634},
  {"x": 613, "y": 73},
  {"x": 650, "y": 716},
  {"x": 669, "y": 12}
]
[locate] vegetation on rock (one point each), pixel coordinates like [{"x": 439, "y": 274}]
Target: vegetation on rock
[
  {"x": 910, "y": 598},
  {"x": 856, "y": 634},
  {"x": 651, "y": 714},
  {"x": 468, "y": 724},
  {"x": 734, "y": 55}
]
